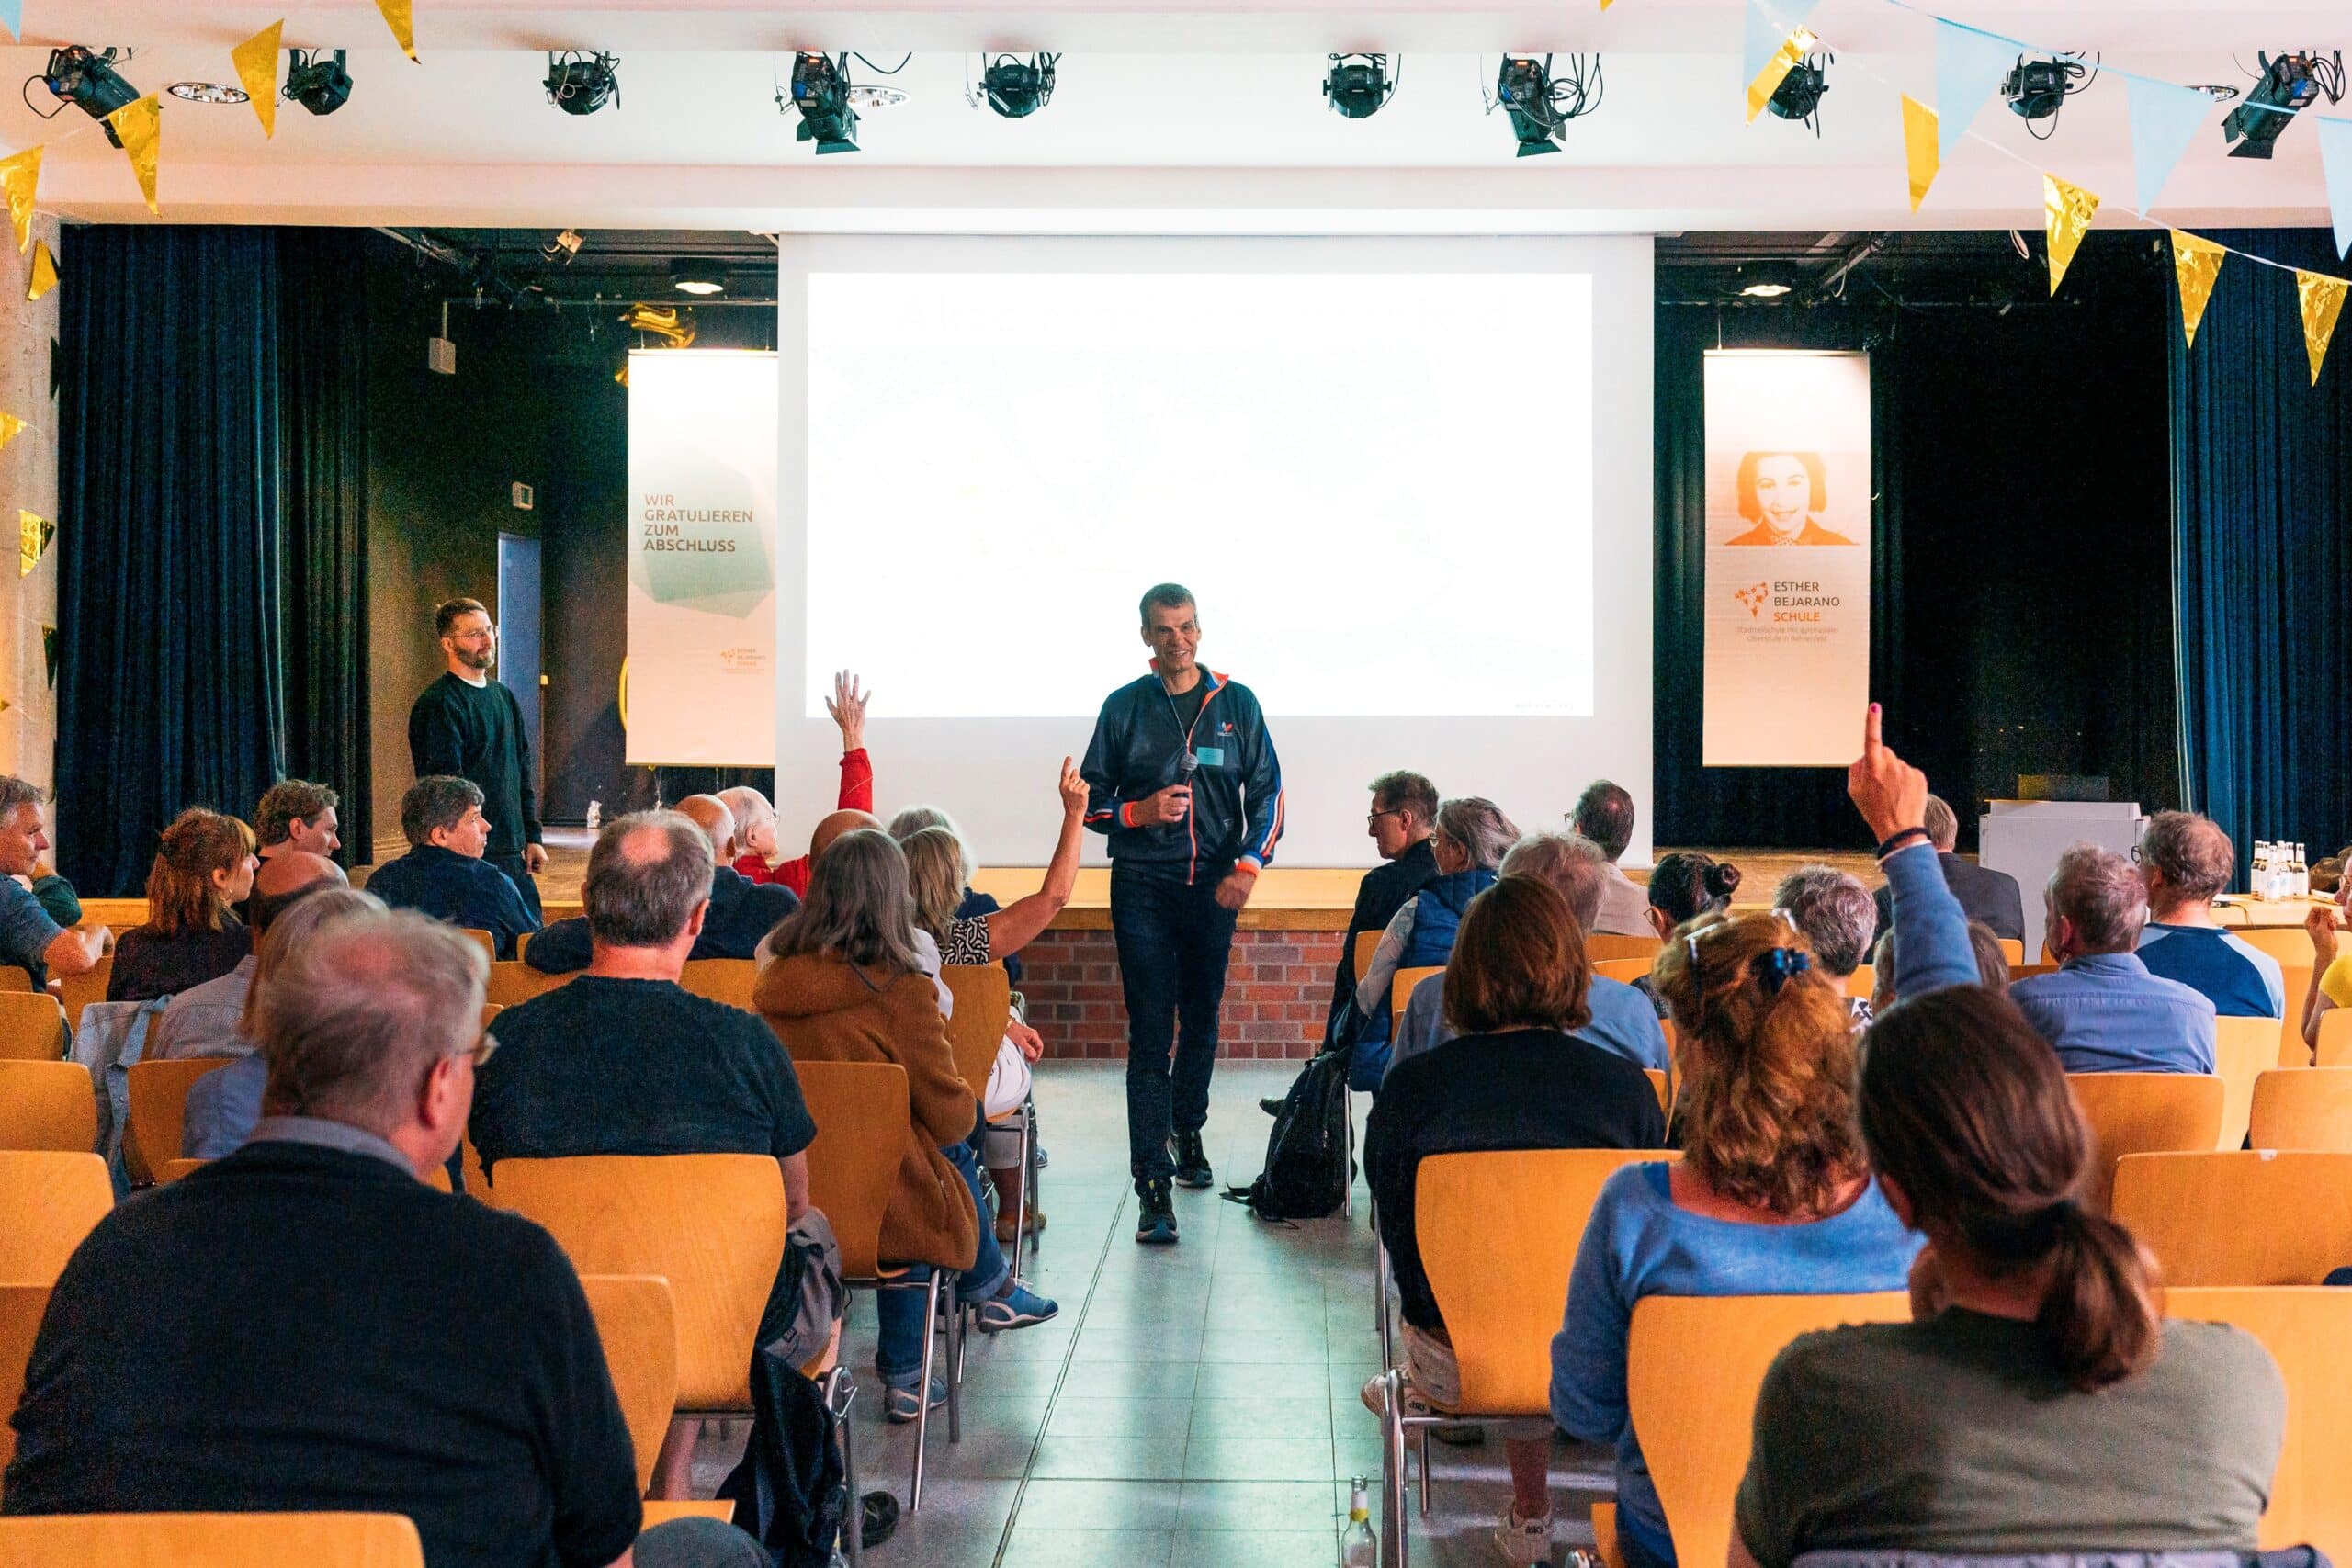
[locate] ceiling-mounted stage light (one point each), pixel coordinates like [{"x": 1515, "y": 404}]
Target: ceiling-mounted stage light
[
  {"x": 2290, "y": 82},
  {"x": 317, "y": 80},
  {"x": 2038, "y": 89},
  {"x": 820, "y": 91},
  {"x": 1767, "y": 280},
  {"x": 1358, "y": 86},
  {"x": 1013, "y": 86},
  {"x": 1541, "y": 104},
  {"x": 209, "y": 92},
  {"x": 90, "y": 82},
  {"x": 698, "y": 278},
  {"x": 582, "y": 82},
  {"x": 562, "y": 248},
  {"x": 1799, "y": 95}
]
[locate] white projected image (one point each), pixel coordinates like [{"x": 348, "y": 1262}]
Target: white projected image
[{"x": 1378, "y": 485}]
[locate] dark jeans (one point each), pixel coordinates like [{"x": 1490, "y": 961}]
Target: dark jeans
[
  {"x": 1173, "y": 942},
  {"x": 513, "y": 866}
]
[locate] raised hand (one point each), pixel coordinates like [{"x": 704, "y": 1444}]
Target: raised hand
[
  {"x": 1890, "y": 793},
  {"x": 1073, "y": 790},
  {"x": 847, "y": 706}
]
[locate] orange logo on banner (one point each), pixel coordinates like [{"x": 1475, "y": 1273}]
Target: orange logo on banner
[{"x": 1753, "y": 597}]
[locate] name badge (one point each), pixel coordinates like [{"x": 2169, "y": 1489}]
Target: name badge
[{"x": 1210, "y": 756}]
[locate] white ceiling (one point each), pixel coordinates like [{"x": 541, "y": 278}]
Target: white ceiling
[{"x": 1210, "y": 120}]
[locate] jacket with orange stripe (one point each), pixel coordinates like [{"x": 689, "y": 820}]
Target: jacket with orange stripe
[{"x": 1237, "y": 814}]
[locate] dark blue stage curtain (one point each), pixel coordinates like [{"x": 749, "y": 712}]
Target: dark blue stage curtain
[
  {"x": 211, "y": 530},
  {"x": 2262, "y": 545}
]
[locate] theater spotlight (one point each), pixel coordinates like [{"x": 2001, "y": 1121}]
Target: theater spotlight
[
  {"x": 1767, "y": 280},
  {"x": 316, "y": 80},
  {"x": 1013, "y": 86},
  {"x": 2290, "y": 82},
  {"x": 1358, "y": 86},
  {"x": 698, "y": 278},
  {"x": 1798, "y": 96},
  {"x": 820, "y": 91},
  {"x": 1540, "y": 104},
  {"x": 2038, "y": 89},
  {"x": 89, "y": 81},
  {"x": 582, "y": 83}
]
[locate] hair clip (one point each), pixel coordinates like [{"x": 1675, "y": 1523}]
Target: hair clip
[{"x": 1774, "y": 966}]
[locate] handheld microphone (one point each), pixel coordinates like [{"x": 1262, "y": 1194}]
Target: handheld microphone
[{"x": 1186, "y": 763}]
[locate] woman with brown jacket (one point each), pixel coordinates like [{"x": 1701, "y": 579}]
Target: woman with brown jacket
[{"x": 849, "y": 986}]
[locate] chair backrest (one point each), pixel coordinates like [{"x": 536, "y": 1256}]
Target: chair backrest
[
  {"x": 1499, "y": 1233},
  {"x": 2293, "y": 1050},
  {"x": 1400, "y": 993},
  {"x": 2256, "y": 1217},
  {"x": 48, "y": 1105},
  {"x": 1693, "y": 1365},
  {"x": 2028, "y": 971},
  {"x": 2012, "y": 950},
  {"x": 860, "y": 1109},
  {"x": 173, "y": 1169},
  {"x": 488, "y": 942},
  {"x": 1366, "y": 942},
  {"x": 983, "y": 994},
  {"x": 2305, "y": 1332},
  {"x": 32, "y": 1025},
  {"x": 48, "y": 1203},
  {"x": 20, "y": 1312},
  {"x": 512, "y": 983},
  {"x": 727, "y": 980},
  {"x": 640, "y": 1329},
  {"x": 2244, "y": 1049},
  {"x": 211, "y": 1541},
  {"x": 2290, "y": 945},
  {"x": 1661, "y": 1087},
  {"x": 1625, "y": 970},
  {"x": 522, "y": 944},
  {"x": 75, "y": 992},
  {"x": 158, "y": 1098},
  {"x": 1859, "y": 982},
  {"x": 2138, "y": 1114},
  {"x": 711, "y": 1224},
  {"x": 2336, "y": 1038},
  {"x": 1598, "y": 945},
  {"x": 16, "y": 977},
  {"x": 2303, "y": 1107}
]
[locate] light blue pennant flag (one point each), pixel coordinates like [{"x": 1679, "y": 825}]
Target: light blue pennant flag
[
  {"x": 2335, "y": 157},
  {"x": 1770, "y": 22},
  {"x": 2164, "y": 118},
  {"x": 1969, "y": 65},
  {"x": 12, "y": 17}
]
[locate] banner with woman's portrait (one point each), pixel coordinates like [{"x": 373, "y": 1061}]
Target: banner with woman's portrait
[{"x": 1788, "y": 653}]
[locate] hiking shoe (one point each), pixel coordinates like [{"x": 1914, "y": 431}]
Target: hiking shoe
[
  {"x": 899, "y": 1399},
  {"x": 1191, "y": 1161},
  {"x": 1155, "y": 1215},
  {"x": 1524, "y": 1540},
  {"x": 1272, "y": 1107},
  {"x": 1017, "y": 1309}
]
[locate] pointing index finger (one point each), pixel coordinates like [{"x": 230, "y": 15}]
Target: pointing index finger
[{"x": 1871, "y": 738}]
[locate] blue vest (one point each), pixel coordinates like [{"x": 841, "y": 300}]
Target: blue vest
[{"x": 1438, "y": 915}]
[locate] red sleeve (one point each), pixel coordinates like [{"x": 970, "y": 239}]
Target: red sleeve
[
  {"x": 857, "y": 791},
  {"x": 794, "y": 873},
  {"x": 751, "y": 868}
]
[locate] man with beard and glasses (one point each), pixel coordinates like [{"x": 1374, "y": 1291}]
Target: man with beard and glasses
[{"x": 471, "y": 726}]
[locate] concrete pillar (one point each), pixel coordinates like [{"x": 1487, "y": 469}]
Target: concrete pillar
[{"x": 28, "y": 483}]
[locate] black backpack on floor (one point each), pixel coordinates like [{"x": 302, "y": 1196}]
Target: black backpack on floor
[{"x": 1308, "y": 1168}]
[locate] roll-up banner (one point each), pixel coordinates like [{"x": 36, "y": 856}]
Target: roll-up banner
[
  {"x": 699, "y": 686},
  {"x": 1788, "y": 655}
]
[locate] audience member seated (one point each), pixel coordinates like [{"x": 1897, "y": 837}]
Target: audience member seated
[
  {"x": 1992, "y": 965},
  {"x": 847, "y": 706},
  {"x": 972, "y": 903},
  {"x": 741, "y": 911},
  {"x": 1623, "y": 1020},
  {"x": 206, "y": 1020},
  {"x": 318, "y": 1329},
  {"x": 625, "y": 1061},
  {"x": 2187, "y": 862},
  {"x": 1683, "y": 886},
  {"x": 1520, "y": 1078},
  {"x": 443, "y": 874},
  {"x": 299, "y": 815},
  {"x": 1472, "y": 836},
  {"x": 1992, "y": 897},
  {"x": 2331, "y": 983},
  {"x": 1604, "y": 814},
  {"x": 204, "y": 865},
  {"x": 29, "y": 938},
  {"x": 754, "y": 819},
  {"x": 848, "y": 985},
  {"x": 1402, "y": 822},
  {"x": 2102, "y": 1009},
  {"x": 1837, "y": 916},
  {"x": 56, "y": 895},
  {"x": 2035, "y": 1404}
]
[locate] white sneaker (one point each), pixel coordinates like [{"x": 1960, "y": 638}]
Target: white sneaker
[{"x": 1524, "y": 1540}]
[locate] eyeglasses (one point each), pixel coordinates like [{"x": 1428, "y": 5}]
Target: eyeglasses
[
  {"x": 481, "y": 1050},
  {"x": 1373, "y": 816}
]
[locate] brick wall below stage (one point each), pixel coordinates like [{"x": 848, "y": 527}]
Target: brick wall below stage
[{"x": 1277, "y": 992}]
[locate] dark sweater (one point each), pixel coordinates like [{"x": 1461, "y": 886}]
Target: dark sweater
[
  {"x": 742, "y": 912},
  {"x": 317, "y": 1330},
  {"x": 1530, "y": 1089},
  {"x": 456, "y": 888},
  {"x": 1381, "y": 893},
  {"x": 476, "y": 732},
  {"x": 148, "y": 965}
]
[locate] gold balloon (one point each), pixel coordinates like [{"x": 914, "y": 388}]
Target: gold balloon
[
  {"x": 2197, "y": 265},
  {"x": 2066, "y": 212}
]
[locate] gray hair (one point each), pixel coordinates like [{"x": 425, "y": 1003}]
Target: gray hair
[
  {"x": 639, "y": 901},
  {"x": 1163, "y": 596},
  {"x": 747, "y": 807},
  {"x": 2100, "y": 893},
  {"x": 16, "y": 791},
  {"x": 1569, "y": 861},
  {"x": 2196, "y": 857},
  {"x": 1992, "y": 965},
  {"x": 913, "y": 819},
  {"x": 1834, "y": 910},
  {"x": 1942, "y": 824},
  {"x": 1478, "y": 827},
  {"x": 438, "y": 800},
  {"x": 355, "y": 1018},
  {"x": 294, "y": 922},
  {"x": 857, "y": 907}
]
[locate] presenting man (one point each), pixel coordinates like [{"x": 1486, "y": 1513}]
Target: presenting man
[
  {"x": 468, "y": 725},
  {"x": 1182, "y": 778}
]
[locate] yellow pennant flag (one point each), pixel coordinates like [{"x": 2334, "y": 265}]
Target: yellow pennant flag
[
  {"x": 10, "y": 428},
  {"x": 33, "y": 534},
  {"x": 2197, "y": 265},
  {"x": 139, "y": 128},
  {"x": 399, "y": 15},
  {"x": 21, "y": 178},
  {"x": 2066, "y": 212},
  {"x": 256, "y": 64},
  {"x": 44, "y": 277},
  {"x": 1785, "y": 59},
  {"x": 1919, "y": 151},
  {"x": 2322, "y": 298}
]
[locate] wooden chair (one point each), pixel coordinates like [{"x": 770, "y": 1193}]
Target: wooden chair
[
  {"x": 48, "y": 1203},
  {"x": 211, "y": 1541},
  {"x": 1598, "y": 945},
  {"x": 32, "y": 1025},
  {"x": 2252, "y": 1217},
  {"x": 75, "y": 992},
  {"x": 2244, "y": 1049},
  {"x": 1366, "y": 942},
  {"x": 725, "y": 980},
  {"x": 16, "y": 977},
  {"x": 2290, "y": 945},
  {"x": 21, "y": 1307},
  {"x": 2028, "y": 971},
  {"x": 1665, "y": 1089},
  {"x": 2294, "y": 1051},
  {"x": 1859, "y": 982},
  {"x": 1400, "y": 994},
  {"x": 489, "y": 944},
  {"x": 48, "y": 1105},
  {"x": 172, "y": 1171},
  {"x": 2305, "y": 1331},
  {"x": 158, "y": 1098},
  {"x": 2012, "y": 950},
  {"x": 1626, "y": 970},
  {"x": 2303, "y": 1107},
  {"x": 2133, "y": 1113},
  {"x": 2336, "y": 1038},
  {"x": 514, "y": 982},
  {"x": 983, "y": 994},
  {"x": 522, "y": 944},
  {"x": 640, "y": 1329}
]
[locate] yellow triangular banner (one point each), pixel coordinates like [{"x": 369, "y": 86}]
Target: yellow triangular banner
[
  {"x": 2197, "y": 265},
  {"x": 139, "y": 128},
  {"x": 398, "y": 16},
  {"x": 10, "y": 428},
  {"x": 1784, "y": 59},
  {"x": 1920, "y": 151},
  {"x": 33, "y": 534},
  {"x": 2322, "y": 300},
  {"x": 44, "y": 277},
  {"x": 21, "y": 178},
  {"x": 2066, "y": 211},
  {"x": 256, "y": 64}
]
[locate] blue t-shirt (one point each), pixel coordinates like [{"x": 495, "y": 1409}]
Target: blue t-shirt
[
  {"x": 2237, "y": 977},
  {"x": 1639, "y": 1243},
  {"x": 26, "y": 931}
]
